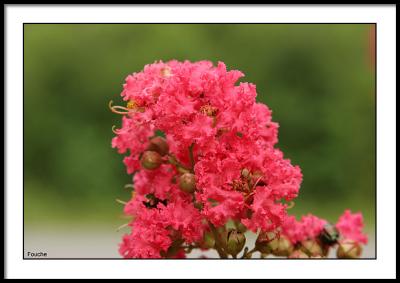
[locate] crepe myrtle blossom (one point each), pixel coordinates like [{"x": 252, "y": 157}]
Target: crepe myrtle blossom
[
  {"x": 314, "y": 236},
  {"x": 205, "y": 166},
  {"x": 350, "y": 227}
]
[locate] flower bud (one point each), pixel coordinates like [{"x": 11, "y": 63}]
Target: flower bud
[
  {"x": 276, "y": 244},
  {"x": 235, "y": 242},
  {"x": 349, "y": 249},
  {"x": 329, "y": 234},
  {"x": 187, "y": 182},
  {"x": 281, "y": 246},
  {"x": 241, "y": 227},
  {"x": 311, "y": 248},
  {"x": 159, "y": 145},
  {"x": 150, "y": 160},
  {"x": 263, "y": 242},
  {"x": 298, "y": 254}
]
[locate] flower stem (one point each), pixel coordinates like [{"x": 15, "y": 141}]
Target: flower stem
[{"x": 174, "y": 161}]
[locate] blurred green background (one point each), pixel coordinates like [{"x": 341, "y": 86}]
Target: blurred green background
[{"x": 317, "y": 78}]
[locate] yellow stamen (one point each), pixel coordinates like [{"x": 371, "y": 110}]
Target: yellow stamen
[
  {"x": 131, "y": 104},
  {"x": 209, "y": 110},
  {"x": 166, "y": 72}
]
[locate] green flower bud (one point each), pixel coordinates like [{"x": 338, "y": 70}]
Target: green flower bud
[
  {"x": 235, "y": 242},
  {"x": 241, "y": 227},
  {"x": 159, "y": 145},
  {"x": 151, "y": 160},
  {"x": 329, "y": 235},
  {"x": 298, "y": 254},
  {"x": 312, "y": 248},
  {"x": 270, "y": 242},
  {"x": 281, "y": 246},
  {"x": 263, "y": 242},
  {"x": 187, "y": 182},
  {"x": 349, "y": 249}
]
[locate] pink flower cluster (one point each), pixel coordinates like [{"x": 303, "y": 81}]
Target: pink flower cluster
[
  {"x": 349, "y": 227},
  {"x": 155, "y": 227},
  {"x": 215, "y": 129},
  {"x": 309, "y": 227}
]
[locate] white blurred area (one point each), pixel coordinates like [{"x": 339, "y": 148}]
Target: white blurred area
[{"x": 102, "y": 242}]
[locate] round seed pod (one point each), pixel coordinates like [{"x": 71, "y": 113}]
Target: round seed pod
[
  {"x": 159, "y": 145},
  {"x": 187, "y": 182},
  {"x": 150, "y": 160},
  {"x": 349, "y": 249},
  {"x": 311, "y": 248}
]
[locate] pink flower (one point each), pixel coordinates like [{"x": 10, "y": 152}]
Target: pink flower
[
  {"x": 309, "y": 227},
  {"x": 293, "y": 229},
  {"x": 350, "y": 227},
  {"x": 266, "y": 214},
  {"x": 312, "y": 226},
  {"x": 219, "y": 136},
  {"x": 157, "y": 182},
  {"x": 148, "y": 236},
  {"x": 156, "y": 224},
  {"x": 221, "y": 205},
  {"x": 201, "y": 110},
  {"x": 184, "y": 217},
  {"x": 133, "y": 135}
]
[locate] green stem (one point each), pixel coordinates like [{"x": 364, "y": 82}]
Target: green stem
[{"x": 174, "y": 161}]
